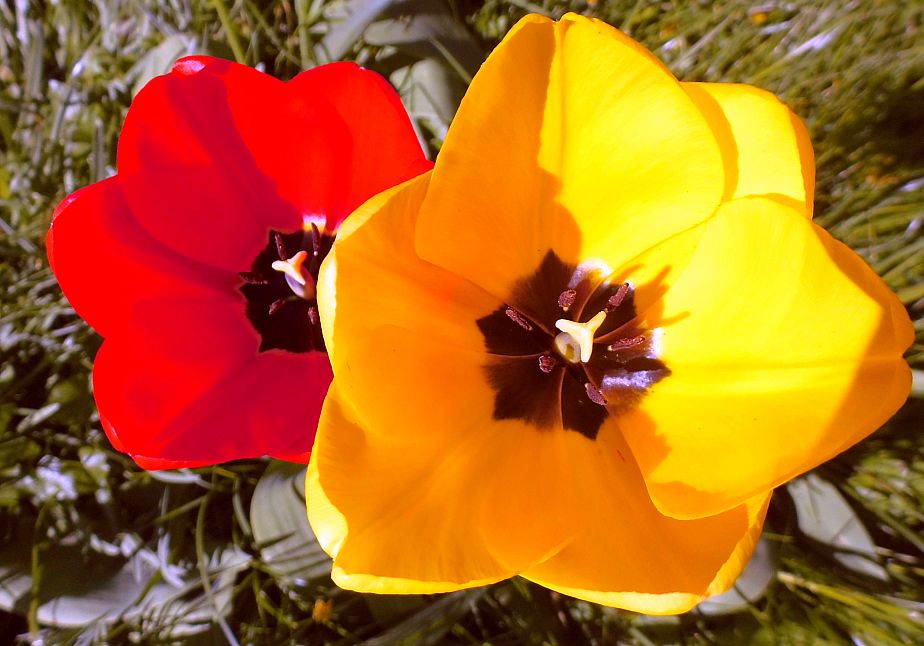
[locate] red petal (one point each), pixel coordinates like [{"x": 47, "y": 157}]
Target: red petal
[
  {"x": 184, "y": 386},
  {"x": 374, "y": 147},
  {"x": 110, "y": 433},
  {"x": 151, "y": 464},
  {"x": 193, "y": 159},
  {"x": 287, "y": 403},
  {"x": 105, "y": 262},
  {"x": 214, "y": 154}
]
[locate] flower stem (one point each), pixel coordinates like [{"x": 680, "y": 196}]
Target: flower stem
[{"x": 230, "y": 31}]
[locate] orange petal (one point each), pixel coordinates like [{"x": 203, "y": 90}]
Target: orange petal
[
  {"x": 386, "y": 281},
  {"x": 434, "y": 512},
  {"x": 631, "y": 556}
]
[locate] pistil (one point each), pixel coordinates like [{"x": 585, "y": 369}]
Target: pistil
[
  {"x": 576, "y": 341},
  {"x": 578, "y": 378},
  {"x": 280, "y": 290},
  {"x": 292, "y": 269}
]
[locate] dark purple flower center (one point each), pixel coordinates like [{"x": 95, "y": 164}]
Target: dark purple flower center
[
  {"x": 285, "y": 319},
  {"x": 536, "y": 369}
]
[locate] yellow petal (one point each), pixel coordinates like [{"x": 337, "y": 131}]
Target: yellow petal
[
  {"x": 433, "y": 512},
  {"x": 572, "y": 137},
  {"x": 784, "y": 348},
  {"x": 766, "y": 147},
  {"x": 374, "y": 255},
  {"x": 631, "y": 556}
]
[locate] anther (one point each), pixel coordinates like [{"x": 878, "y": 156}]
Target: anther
[
  {"x": 518, "y": 318},
  {"x": 280, "y": 246},
  {"x": 594, "y": 394},
  {"x": 625, "y": 344},
  {"x": 315, "y": 240},
  {"x": 277, "y": 305},
  {"x": 313, "y": 317},
  {"x": 566, "y": 299},
  {"x": 546, "y": 363},
  {"x": 253, "y": 278},
  {"x": 616, "y": 299}
]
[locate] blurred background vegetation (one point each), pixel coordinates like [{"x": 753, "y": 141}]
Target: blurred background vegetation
[{"x": 93, "y": 550}]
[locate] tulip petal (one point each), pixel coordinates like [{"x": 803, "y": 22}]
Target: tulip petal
[
  {"x": 183, "y": 385},
  {"x": 105, "y": 262},
  {"x": 432, "y": 332},
  {"x": 242, "y": 153},
  {"x": 193, "y": 156},
  {"x": 784, "y": 348},
  {"x": 285, "y": 393},
  {"x": 767, "y": 148},
  {"x": 375, "y": 259},
  {"x": 510, "y": 185},
  {"x": 376, "y": 148},
  {"x": 631, "y": 556},
  {"x": 440, "y": 441},
  {"x": 390, "y": 521}
]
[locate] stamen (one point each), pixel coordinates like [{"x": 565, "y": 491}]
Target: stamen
[
  {"x": 280, "y": 246},
  {"x": 253, "y": 278},
  {"x": 315, "y": 240},
  {"x": 576, "y": 342},
  {"x": 594, "y": 394},
  {"x": 519, "y": 319},
  {"x": 295, "y": 276},
  {"x": 566, "y": 299},
  {"x": 277, "y": 305},
  {"x": 282, "y": 307},
  {"x": 616, "y": 299},
  {"x": 546, "y": 363},
  {"x": 624, "y": 344}
]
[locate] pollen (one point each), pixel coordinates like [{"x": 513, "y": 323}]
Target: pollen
[
  {"x": 295, "y": 276},
  {"x": 576, "y": 341}
]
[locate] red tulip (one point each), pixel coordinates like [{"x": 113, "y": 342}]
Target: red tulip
[{"x": 197, "y": 262}]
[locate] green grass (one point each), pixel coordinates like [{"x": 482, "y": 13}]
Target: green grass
[{"x": 73, "y": 512}]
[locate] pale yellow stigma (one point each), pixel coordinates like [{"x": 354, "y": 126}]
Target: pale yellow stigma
[
  {"x": 292, "y": 269},
  {"x": 576, "y": 341}
]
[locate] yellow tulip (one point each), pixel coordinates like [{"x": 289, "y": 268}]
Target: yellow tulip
[{"x": 589, "y": 344}]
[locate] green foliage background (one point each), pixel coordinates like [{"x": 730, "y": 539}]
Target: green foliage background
[{"x": 93, "y": 550}]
